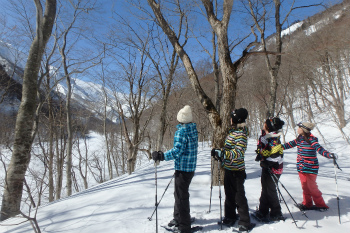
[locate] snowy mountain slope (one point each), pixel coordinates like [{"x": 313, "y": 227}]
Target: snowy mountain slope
[
  {"x": 88, "y": 94},
  {"x": 124, "y": 204}
]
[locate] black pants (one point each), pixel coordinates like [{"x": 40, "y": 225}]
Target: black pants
[
  {"x": 182, "y": 200},
  {"x": 269, "y": 198},
  {"x": 235, "y": 197}
]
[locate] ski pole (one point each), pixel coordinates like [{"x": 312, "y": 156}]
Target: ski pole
[
  {"x": 150, "y": 218},
  {"x": 279, "y": 191},
  {"x": 220, "y": 195},
  {"x": 211, "y": 185},
  {"x": 336, "y": 183},
  {"x": 302, "y": 211},
  {"x": 156, "y": 203}
]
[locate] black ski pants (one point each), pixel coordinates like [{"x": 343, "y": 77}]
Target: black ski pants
[
  {"x": 235, "y": 197},
  {"x": 182, "y": 200},
  {"x": 269, "y": 197}
]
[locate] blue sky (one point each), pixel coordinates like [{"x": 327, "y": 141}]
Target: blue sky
[{"x": 239, "y": 26}]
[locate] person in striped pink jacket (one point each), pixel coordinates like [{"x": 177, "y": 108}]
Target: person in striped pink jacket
[{"x": 307, "y": 165}]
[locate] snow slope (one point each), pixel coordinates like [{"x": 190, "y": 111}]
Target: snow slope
[{"x": 124, "y": 204}]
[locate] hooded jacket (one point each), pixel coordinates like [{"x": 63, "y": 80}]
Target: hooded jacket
[
  {"x": 185, "y": 149},
  {"x": 271, "y": 151}
]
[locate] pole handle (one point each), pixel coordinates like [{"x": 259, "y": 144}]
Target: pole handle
[{"x": 336, "y": 164}]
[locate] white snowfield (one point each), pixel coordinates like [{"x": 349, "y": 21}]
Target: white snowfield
[{"x": 124, "y": 204}]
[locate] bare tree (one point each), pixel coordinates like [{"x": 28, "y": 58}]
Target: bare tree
[
  {"x": 25, "y": 117},
  {"x": 229, "y": 70},
  {"x": 205, "y": 100},
  {"x": 109, "y": 148},
  {"x": 259, "y": 11},
  {"x": 70, "y": 68},
  {"x": 273, "y": 65},
  {"x": 165, "y": 76},
  {"x": 132, "y": 105}
]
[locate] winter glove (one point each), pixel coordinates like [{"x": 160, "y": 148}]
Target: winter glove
[
  {"x": 157, "y": 156},
  {"x": 333, "y": 156},
  {"x": 217, "y": 154},
  {"x": 258, "y": 155}
]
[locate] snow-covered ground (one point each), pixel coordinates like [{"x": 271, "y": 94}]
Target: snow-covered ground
[{"x": 124, "y": 204}]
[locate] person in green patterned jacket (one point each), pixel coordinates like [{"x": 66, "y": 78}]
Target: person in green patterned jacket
[{"x": 232, "y": 159}]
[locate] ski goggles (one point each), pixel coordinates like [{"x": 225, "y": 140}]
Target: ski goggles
[{"x": 303, "y": 126}]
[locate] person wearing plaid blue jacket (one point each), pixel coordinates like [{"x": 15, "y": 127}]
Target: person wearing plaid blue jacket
[{"x": 184, "y": 153}]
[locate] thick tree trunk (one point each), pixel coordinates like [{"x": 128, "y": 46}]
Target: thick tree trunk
[
  {"x": 25, "y": 118},
  {"x": 132, "y": 159}
]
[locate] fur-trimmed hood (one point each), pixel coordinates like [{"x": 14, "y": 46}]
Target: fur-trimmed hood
[{"x": 273, "y": 134}]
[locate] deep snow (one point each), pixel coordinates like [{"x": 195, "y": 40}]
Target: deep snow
[{"x": 124, "y": 204}]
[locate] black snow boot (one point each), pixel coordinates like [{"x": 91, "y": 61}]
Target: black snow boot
[{"x": 246, "y": 228}]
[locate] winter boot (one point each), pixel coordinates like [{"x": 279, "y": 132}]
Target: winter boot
[
  {"x": 229, "y": 222},
  {"x": 303, "y": 207},
  {"x": 260, "y": 216},
  {"x": 174, "y": 222},
  {"x": 277, "y": 218},
  {"x": 246, "y": 228}
]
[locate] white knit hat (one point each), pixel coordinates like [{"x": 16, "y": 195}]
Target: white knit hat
[{"x": 185, "y": 115}]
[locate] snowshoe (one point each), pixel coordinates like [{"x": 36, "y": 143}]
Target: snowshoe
[
  {"x": 242, "y": 229},
  {"x": 175, "y": 223},
  {"x": 177, "y": 230},
  {"x": 303, "y": 207},
  {"x": 196, "y": 228},
  {"x": 321, "y": 209},
  {"x": 257, "y": 215},
  {"x": 228, "y": 222},
  {"x": 277, "y": 218}
]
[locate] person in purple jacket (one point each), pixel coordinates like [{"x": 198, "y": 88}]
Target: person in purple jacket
[{"x": 307, "y": 165}]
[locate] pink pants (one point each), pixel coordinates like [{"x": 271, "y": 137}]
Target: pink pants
[{"x": 311, "y": 191}]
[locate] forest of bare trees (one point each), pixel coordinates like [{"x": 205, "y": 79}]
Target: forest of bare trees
[{"x": 147, "y": 62}]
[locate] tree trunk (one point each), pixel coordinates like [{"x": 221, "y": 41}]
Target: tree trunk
[
  {"x": 25, "y": 118},
  {"x": 51, "y": 151},
  {"x": 108, "y": 149},
  {"x": 60, "y": 152},
  {"x": 69, "y": 138}
]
